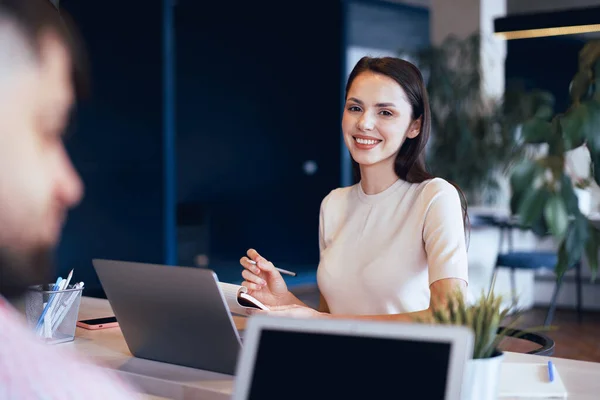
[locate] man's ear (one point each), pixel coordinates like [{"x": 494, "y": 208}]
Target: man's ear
[{"x": 415, "y": 128}]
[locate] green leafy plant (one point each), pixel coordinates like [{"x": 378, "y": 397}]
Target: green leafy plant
[
  {"x": 485, "y": 317},
  {"x": 473, "y": 138},
  {"x": 543, "y": 196}
]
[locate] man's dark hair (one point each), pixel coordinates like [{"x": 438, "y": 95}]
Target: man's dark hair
[{"x": 35, "y": 17}]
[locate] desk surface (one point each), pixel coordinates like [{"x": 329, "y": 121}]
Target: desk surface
[{"x": 166, "y": 381}]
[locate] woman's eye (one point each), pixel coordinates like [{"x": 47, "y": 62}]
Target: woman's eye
[
  {"x": 386, "y": 113},
  {"x": 354, "y": 108}
]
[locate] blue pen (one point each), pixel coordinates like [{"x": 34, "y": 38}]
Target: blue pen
[
  {"x": 550, "y": 371},
  {"x": 54, "y": 288}
]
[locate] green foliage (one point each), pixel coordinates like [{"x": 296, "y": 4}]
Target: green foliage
[
  {"x": 473, "y": 138},
  {"x": 543, "y": 195},
  {"x": 485, "y": 318}
]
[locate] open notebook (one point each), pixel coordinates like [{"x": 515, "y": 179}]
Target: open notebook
[
  {"x": 530, "y": 381},
  {"x": 238, "y": 300}
]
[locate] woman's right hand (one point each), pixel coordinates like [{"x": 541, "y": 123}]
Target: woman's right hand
[{"x": 263, "y": 281}]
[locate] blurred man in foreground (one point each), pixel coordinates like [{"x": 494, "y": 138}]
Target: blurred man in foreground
[{"x": 37, "y": 187}]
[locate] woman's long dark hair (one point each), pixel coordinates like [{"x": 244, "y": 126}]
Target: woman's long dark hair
[{"x": 410, "y": 161}]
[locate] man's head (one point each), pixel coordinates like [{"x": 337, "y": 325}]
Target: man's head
[{"x": 38, "y": 184}]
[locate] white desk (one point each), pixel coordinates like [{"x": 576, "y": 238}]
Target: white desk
[{"x": 160, "y": 380}]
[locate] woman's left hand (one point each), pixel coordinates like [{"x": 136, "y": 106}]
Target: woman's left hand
[{"x": 291, "y": 310}]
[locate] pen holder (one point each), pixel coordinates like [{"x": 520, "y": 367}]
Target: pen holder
[{"x": 52, "y": 314}]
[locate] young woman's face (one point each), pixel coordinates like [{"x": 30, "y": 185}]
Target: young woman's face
[{"x": 377, "y": 119}]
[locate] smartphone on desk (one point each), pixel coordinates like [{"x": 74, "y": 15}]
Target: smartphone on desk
[{"x": 98, "y": 323}]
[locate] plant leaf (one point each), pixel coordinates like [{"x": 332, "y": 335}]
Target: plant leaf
[
  {"x": 596, "y": 72},
  {"x": 523, "y": 173},
  {"x": 579, "y": 85},
  {"x": 591, "y": 126},
  {"x": 544, "y": 112},
  {"x": 595, "y": 156},
  {"x": 556, "y": 216},
  {"x": 568, "y": 195},
  {"x": 589, "y": 54},
  {"x": 521, "y": 177},
  {"x": 536, "y": 130},
  {"x": 572, "y": 248},
  {"x": 532, "y": 206},
  {"x": 593, "y": 143},
  {"x": 573, "y": 126}
]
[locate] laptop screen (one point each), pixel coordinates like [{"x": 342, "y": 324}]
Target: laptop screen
[{"x": 300, "y": 365}]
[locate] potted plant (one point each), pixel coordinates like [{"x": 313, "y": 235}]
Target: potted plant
[
  {"x": 491, "y": 324},
  {"x": 543, "y": 192}
]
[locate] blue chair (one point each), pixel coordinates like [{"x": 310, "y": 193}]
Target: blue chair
[{"x": 532, "y": 260}]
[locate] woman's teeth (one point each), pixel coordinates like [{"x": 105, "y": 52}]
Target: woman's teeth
[{"x": 366, "y": 141}]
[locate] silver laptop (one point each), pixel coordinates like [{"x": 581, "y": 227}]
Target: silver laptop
[
  {"x": 175, "y": 315},
  {"x": 285, "y": 358}
]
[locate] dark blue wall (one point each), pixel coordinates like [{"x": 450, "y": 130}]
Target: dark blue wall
[
  {"x": 117, "y": 144},
  {"x": 387, "y": 26},
  {"x": 258, "y": 95}
]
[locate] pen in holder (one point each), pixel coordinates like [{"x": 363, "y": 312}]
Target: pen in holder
[{"x": 52, "y": 314}]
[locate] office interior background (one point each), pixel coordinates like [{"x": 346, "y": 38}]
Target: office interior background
[{"x": 214, "y": 128}]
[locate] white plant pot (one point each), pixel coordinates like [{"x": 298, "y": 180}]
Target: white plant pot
[{"x": 481, "y": 378}]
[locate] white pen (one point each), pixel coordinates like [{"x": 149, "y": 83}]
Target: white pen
[
  {"x": 69, "y": 279},
  {"x": 64, "y": 286},
  {"x": 281, "y": 270},
  {"x": 46, "y": 327}
]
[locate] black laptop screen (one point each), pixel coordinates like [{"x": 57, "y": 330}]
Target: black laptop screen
[{"x": 293, "y": 365}]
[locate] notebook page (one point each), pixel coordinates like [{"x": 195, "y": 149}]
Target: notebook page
[
  {"x": 519, "y": 380},
  {"x": 231, "y": 292}
]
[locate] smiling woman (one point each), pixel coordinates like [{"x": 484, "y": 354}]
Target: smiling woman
[{"x": 392, "y": 246}]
